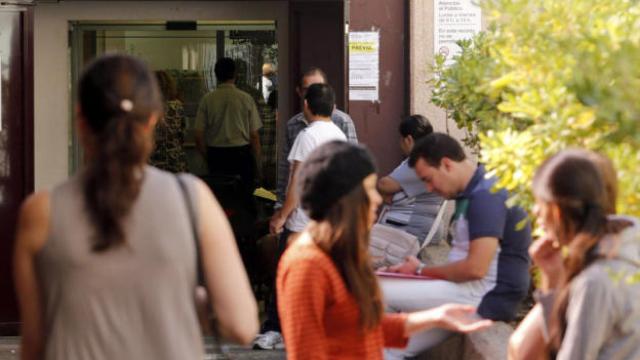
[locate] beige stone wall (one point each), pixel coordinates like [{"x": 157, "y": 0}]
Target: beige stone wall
[
  {"x": 421, "y": 32},
  {"x": 52, "y": 64}
]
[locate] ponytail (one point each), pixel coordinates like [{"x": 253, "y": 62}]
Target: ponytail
[
  {"x": 582, "y": 251},
  {"x": 113, "y": 180},
  {"x": 117, "y": 97}
]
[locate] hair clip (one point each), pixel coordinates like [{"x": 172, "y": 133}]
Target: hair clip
[{"x": 126, "y": 105}]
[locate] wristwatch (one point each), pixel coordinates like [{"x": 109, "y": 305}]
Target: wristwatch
[{"x": 419, "y": 269}]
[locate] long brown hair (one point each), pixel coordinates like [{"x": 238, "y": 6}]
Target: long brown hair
[
  {"x": 581, "y": 189},
  {"x": 117, "y": 96},
  {"x": 344, "y": 235}
]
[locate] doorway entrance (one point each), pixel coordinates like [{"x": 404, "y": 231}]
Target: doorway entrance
[{"x": 184, "y": 54}]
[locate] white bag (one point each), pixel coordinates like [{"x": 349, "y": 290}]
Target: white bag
[{"x": 390, "y": 246}]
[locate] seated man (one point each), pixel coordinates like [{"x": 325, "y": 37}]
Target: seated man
[
  {"x": 488, "y": 265},
  {"x": 410, "y": 207}
]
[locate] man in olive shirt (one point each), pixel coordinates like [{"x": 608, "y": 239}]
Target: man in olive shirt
[{"x": 227, "y": 125}]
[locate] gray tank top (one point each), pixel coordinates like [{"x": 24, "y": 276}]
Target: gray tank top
[{"x": 129, "y": 302}]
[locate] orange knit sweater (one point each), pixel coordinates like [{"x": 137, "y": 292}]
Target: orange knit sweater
[{"x": 319, "y": 317}]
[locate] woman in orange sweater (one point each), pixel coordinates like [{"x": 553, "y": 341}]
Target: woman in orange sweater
[{"x": 330, "y": 303}]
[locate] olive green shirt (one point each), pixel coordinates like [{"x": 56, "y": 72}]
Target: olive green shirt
[{"x": 227, "y": 116}]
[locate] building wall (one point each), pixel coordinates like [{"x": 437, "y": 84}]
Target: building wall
[
  {"x": 52, "y": 134},
  {"x": 421, "y": 55},
  {"x": 377, "y": 123}
]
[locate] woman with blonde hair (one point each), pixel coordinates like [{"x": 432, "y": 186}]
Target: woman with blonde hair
[
  {"x": 330, "y": 302},
  {"x": 105, "y": 263}
]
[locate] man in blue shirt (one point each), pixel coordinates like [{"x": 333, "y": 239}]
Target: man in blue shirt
[{"x": 488, "y": 265}]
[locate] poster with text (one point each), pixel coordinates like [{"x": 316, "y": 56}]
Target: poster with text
[
  {"x": 364, "y": 69},
  {"x": 454, "y": 20}
]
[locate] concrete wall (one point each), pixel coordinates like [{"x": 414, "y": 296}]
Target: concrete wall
[
  {"x": 52, "y": 135},
  {"x": 421, "y": 55}
]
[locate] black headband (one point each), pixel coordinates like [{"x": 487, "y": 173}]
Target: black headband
[{"x": 330, "y": 172}]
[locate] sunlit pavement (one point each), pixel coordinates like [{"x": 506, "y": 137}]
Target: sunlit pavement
[{"x": 10, "y": 350}]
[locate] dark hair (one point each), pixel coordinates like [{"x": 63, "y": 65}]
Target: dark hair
[
  {"x": 167, "y": 85},
  {"x": 313, "y": 71},
  {"x": 341, "y": 226},
  {"x": 321, "y": 99},
  {"x": 573, "y": 182},
  {"x": 417, "y": 126},
  {"x": 117, "y": 96},
  {"x": 433, "y": 147},
  {"x": 225, "y": 69}
]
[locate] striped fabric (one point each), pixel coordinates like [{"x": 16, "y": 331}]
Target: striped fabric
[{"x": 319, "y": 317}]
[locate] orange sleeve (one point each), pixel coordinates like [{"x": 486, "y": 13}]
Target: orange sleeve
[
  {"x": 302, "y": 296},
  {"x": 393, "y": 330}
]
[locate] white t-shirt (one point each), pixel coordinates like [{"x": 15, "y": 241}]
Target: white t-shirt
[{"x": 314, "y": 135}]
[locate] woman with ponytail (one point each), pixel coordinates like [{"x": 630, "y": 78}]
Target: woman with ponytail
[
  {"x": 587, "y": 299},
  {"x": 330, "y": 303},
  {"x": 105, "y": 263}
]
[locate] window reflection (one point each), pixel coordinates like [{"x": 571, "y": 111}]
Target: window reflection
[{"x": 183, "y": 62}]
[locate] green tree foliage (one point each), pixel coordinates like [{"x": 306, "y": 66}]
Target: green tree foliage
[{"x": 544, "y": 76}]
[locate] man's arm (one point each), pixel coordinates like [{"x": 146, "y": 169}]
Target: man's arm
[
  {"x": 345, "y": 123},
  {"x": 290, "y": 203},
  {"x": 387, "y": 187},
  {"x": 282, "y": 174},
  {"x": 199, "y": 138},
  {"x": 256, "y": 148},
  {"x": 31, "y": 235},
  {"x": 474, "y": 267}
]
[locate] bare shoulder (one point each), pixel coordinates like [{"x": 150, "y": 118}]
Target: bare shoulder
[{"x": 33, "y": 224}]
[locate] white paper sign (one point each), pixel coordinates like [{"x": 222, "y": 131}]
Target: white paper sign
[
  {"x": 454, "y": 20},
  {"x": 364, "y": 69}
]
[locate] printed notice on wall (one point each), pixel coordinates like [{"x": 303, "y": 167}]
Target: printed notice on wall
[
  {"x": 364, "y": 70},
  {"x": 454, "y": 20}
]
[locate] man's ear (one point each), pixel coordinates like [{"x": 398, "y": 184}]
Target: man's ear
[
  {"x": 410, "y": 141},
  {"x": 447, "y": 163},
  {"x": 299, "y": 91}
]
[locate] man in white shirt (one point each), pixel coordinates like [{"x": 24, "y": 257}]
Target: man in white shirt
[
  {"x": 318, "y": 107},
  {"x": 319, "y": 102}
]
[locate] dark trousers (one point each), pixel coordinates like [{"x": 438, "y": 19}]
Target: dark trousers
[
  {"x": 233, "y": 161},
  {"x": 272, "y": 321}
]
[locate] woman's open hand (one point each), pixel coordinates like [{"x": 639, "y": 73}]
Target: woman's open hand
[
  {"x": 460, "y": 318},
  {"x": 453, "y": 317}
]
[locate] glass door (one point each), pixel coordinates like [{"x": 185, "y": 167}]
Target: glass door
[{"x": 185, "y": 58}]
